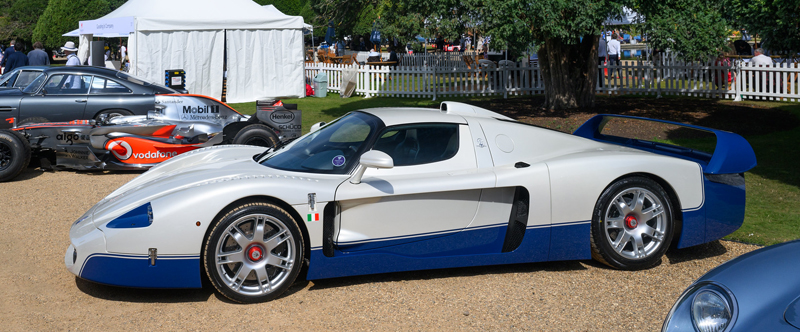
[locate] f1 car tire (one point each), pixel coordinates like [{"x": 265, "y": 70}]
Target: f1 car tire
[
  {"x": 15, "y": 154},
  {"x": 254, "y": 253},
  {"x": 36, "y": 119},
  {"x": 112, "y": 113},
  {"x": 256, "y": 134},
  {"x": 632, "y": 224}
]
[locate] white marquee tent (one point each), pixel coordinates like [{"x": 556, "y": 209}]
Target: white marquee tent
[{"x": 264, "y": 48}]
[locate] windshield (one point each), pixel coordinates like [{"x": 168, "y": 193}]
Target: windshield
[
  {"x": 331, "y": 150},
  {"x": 31, "y": 88},
  {"x": 133, "y": 79}
]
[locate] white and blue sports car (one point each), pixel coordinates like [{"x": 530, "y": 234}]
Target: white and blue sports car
[{"x": 390, "y": 189}]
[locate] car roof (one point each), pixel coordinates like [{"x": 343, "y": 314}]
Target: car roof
[
  {"x": 82, "y": 70},
  {"x": 448, "y": 112}
]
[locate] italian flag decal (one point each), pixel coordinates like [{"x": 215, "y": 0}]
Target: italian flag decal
[{"x": 313, "y": 217}]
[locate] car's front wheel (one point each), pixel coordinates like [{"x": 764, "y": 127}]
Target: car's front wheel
[
  {"x": 15, "y": 154},
  {"x": 254, "y": 253},
  {"x": 632, "y": 224},
  {"x": 256, "y": 134}
]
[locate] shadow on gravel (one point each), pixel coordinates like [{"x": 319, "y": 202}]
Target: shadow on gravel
[
  {"x": 448, "y": 273},
  {"x": 122, "y": 294},
  {"x": 703, "y": 251},
  {"x": 27, "y": 174}
]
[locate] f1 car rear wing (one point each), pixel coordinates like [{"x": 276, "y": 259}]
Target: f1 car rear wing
[{"x": 732, "y": 154}]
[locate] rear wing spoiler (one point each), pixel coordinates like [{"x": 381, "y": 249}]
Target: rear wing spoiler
[{"x": 732, "y": 154}]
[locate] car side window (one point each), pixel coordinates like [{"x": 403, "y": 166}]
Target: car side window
[
  {"x": 65, "y": 84},
  {"x": 102, "y": 85},
  {"x": 8, "y": 81},
  {"x": 419, "y": 143},
  {"x": 26, "y": 77}
]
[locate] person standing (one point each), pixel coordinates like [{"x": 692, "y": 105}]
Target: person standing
[
  {"x": 7, "y": 52},
  {"x": 613, "y": 50},
  {"x": 70, "y": 49},
  {"x": 16, "y": 59},
  {"x": 38, "y": 57},
  {"x": 760, "y": 59},
  {"x": 601, "y": 59},
  {"x": 123, "y": 51}
]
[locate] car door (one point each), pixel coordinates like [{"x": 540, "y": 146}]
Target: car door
[
  {"x": 62, "y": 98},
  {"x": 434, "y": 189},
  {"x": 110, "y": 94}
]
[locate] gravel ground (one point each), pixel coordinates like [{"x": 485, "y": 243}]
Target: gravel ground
[{"x": 38, "y": 293}]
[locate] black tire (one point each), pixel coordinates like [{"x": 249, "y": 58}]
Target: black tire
[
  {"x": 35, "y": 119},
  {"x": 15, "y": 154},
  {"x": 276, "y": 257},
  {"x": 256, "y": 134},
  {"x": 113, "y": 113},
  {"x": 628, "y": 234}
]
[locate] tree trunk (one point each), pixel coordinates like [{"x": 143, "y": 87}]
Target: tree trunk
[{"x": 569, "y": 73}]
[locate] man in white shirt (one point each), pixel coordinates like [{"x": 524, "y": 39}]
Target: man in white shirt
[
  {"x": 123, "y": 51},
  {"x": 761, "y": 59},
  {"x": 613, "y": 49},
  {"x": 601, "y": 59},
  {"x": 70, "y": 49}
]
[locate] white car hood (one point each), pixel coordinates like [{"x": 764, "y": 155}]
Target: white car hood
[{"x": 191, "y": 170}]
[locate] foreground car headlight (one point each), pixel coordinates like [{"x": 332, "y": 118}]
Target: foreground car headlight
[
  {"x": 711, "y": 312},
  {"x": 705, "y": 307}
]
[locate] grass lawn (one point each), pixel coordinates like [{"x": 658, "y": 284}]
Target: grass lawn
[{"x": 772, "y": 128}]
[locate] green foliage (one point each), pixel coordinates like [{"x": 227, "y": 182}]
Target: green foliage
[
  {"x": 694, "y": 28},
  {"x": 22, "y": 16},
  {"x": 62, "y": 16},
  {"x": 777, "y": 22}
]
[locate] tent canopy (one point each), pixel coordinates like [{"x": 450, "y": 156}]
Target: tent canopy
[
  {"x": 160, "y": 15},
  {"x": 262, "y": 47}
]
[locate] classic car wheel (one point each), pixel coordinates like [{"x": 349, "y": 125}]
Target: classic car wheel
[
  {"x": 15, "y": 154},
  {"x": 254, "y": 253},
  {"x": 256, "y": 134},
  {"x": 632, "y": 224}
]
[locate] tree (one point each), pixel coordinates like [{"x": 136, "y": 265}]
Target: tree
[
  {"x": 24, "y": 14},
  {"x": 777, "y": 22},
  {"x": 62, "y": 16},
  {"x": 566, "y": 31}
]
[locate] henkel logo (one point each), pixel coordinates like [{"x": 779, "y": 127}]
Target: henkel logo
[
  {"x": 281, "y": 116},
  {"x": 121, "y": 149}
]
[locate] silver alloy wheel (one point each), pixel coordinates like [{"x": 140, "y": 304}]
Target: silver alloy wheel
[
  {"x": 255, "y": 255},
  {"x": 634, "y": 223}
]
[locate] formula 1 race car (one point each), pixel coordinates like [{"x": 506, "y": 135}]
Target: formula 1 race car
[{"x": 179, "y": 123}]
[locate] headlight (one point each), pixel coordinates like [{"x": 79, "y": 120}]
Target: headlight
[
  {"x": 139, "y": 217},
  {"x": 711, "y": 312},
  {"x": 705, "y": 307}
]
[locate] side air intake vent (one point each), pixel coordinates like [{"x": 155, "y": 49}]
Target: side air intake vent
[{"x": 517, "y": 221}]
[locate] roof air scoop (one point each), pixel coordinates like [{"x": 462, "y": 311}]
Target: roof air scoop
[{"x": 451, "y": 107}]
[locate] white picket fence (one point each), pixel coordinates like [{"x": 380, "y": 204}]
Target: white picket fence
[
  {"x": 431, "y": 82},
  {"x": 710, "y": 80}
]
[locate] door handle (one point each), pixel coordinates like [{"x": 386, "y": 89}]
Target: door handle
[{"x": 80, "y": 100}]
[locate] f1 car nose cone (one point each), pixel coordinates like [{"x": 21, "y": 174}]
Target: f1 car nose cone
[
  {"x": 631, "y": 222},
  {"x": 255, "y": 252}
]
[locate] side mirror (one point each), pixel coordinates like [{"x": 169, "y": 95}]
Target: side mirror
[
  {"x": 372, "y": 158},
  {"x": 316, "y": 126}
]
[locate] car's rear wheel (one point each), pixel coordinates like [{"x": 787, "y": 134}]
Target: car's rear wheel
[
  {"x": 632, "y": 224},
  {"x": 256, "y": 134},
  {"x": 15, "y": 154},
  {"x": 254, "y": 253}
]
